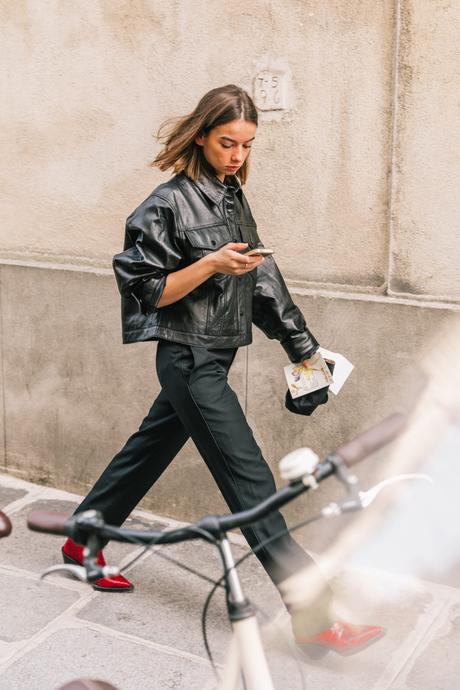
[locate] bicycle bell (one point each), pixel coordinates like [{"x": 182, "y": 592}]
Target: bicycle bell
[{"x": 298, "y": 464}]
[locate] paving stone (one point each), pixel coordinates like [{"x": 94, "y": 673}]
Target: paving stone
[
  {"x": 27, "y": 606},
  {"x": 73, "y": 653},
  {"x": 30, "y": 550},
  {"x": 373, "y": 598},
  {"x": 36, "y": 552},
  {"x": 167, "y": 603},
  {"x": 8, "y": 495},
  {"x": 165, "y": 608},
  {"x": 176, "y": 598},
  {"x": 397, "y": 604},
  {"x": 437, "y": 664}
]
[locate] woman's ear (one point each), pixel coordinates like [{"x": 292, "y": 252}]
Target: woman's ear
[{"x": 199, "y": 140}]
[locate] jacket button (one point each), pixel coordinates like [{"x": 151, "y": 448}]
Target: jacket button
[{"x": 213, "y": 242}]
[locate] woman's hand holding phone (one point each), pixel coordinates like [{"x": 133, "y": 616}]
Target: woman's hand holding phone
[
  {"x": 229, "y": 259},
  {"x": 258, "y": 251}
]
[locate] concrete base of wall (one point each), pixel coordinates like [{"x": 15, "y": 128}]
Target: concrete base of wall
[{"x": 72, "y": 393}]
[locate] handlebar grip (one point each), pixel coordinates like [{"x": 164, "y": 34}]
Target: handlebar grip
[
  {"x": 5, "y": 525},
  {"x": 372, "y": 439},
  {"x": 50, "y": 523},
  {"x": 87, "y": 684}
]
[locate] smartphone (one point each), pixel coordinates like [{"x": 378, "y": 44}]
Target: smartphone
[{"x": 258, "y": 251}]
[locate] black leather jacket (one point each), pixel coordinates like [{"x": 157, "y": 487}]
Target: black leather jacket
[{"x": 177, "y": 224}]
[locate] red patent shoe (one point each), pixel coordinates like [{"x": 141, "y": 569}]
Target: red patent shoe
[
  {"x": 73, "y": 553},
  {"x": 343, "y": 638}
]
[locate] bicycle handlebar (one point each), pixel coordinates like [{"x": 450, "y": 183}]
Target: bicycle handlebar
[
  {"x": 371, "y": 440},
  {"x": 49, "y": 523},
  {"x": 87, "y": 684},
  {"x": 351, "y": 453}
]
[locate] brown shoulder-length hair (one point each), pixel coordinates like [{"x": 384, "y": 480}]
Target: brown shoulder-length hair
[{"x": 178, "y": 134}]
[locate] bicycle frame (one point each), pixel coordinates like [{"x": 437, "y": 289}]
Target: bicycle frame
[
  {"x": 246, "y": 655},
  {"x": 246, "y": 651}
]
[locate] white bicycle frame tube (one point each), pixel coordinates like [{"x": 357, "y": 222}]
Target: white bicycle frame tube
[{"x": 246, "y": 652}]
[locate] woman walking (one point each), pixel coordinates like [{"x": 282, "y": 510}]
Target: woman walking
[{"x": 185, "y": 282}]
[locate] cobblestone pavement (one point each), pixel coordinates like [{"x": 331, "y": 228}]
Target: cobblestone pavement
[{"x": 57, "y": 630}]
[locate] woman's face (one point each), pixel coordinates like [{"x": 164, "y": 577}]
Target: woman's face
[{"x": 226, "y": 147}]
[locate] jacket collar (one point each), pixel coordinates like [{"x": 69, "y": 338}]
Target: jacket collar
[{"x": 214, "y": 189}]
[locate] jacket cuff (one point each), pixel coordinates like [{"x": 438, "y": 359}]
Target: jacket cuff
[
  {"x": 148, "y": 293},
  {"x": 300, "y": 346}
]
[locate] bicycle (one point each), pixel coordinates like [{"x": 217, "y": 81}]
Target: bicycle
[{"x": 303, "y": 470}]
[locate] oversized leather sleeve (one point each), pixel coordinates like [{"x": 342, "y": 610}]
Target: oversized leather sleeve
[
  {"x": 150, "y": 253},
  {"x": 274, "y": 312}
]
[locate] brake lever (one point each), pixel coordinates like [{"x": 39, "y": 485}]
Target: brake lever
[
  {"x": 76, "y": 572},
  {"x": 79, "y": 572},
  {"x": 363, "y": 499},
  {"x": 367, "y": 497}
]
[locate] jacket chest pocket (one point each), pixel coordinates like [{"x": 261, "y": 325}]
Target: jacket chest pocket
[
  {"x": 249, "y": 234},
  {"x": 214, "y": 299},
  {"x": 201, "y": 241}
]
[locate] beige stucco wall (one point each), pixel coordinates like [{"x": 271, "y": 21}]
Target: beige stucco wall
[
  {"x": 425, "y": 252},
  {"x": 363, "y": 162},
  {"x": 353, "y": 184},
  {"x": 91, "y": 82}
]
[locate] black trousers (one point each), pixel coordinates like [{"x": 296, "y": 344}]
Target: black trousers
[{"x": 196, "y": 401}]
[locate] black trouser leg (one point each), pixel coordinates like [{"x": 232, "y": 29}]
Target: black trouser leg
[
  {"x": 144, "y": 457},
  {"x": 197, "y": 401},
  {"x": 195, "y": 381}
]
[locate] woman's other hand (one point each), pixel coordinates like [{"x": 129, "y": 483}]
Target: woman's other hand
[
  {"x": 228, "y": 259},
  {"x": 308, "y": 362}
]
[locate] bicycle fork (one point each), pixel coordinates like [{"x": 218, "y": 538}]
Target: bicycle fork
[{"x": 246, "y": 652}]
